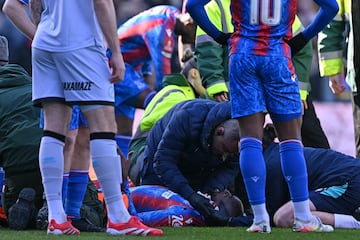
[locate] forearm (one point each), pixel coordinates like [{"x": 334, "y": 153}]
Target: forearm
[
  {"x": 105, "y": 13},
  {"x": 198, "y": 13},
  {"x": 331, "y": 41},
  {"x": 326, "y": 13},
  {"x": 36, "y": 9},
  {"x": 172, "y": 177},
  {"x": 211, "y": 61},
  {"x": 15, "y": 11}
]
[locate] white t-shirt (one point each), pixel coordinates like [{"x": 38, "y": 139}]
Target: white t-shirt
[{"x": 67, "y": 25}]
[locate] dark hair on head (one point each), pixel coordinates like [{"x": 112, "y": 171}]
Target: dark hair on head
[
  {"x": 188, "y": 65},
  {"x": 232, "y": 129}
]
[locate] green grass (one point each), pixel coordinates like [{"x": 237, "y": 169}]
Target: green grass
[{"x": 196, "y": 233}]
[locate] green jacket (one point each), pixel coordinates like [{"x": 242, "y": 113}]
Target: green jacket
[
  {"x": 19, "y": 122},
  {"x": 331, "y": 42},
  {"x": 302, "y": 62},
  {"x": 212, "y": 57}
]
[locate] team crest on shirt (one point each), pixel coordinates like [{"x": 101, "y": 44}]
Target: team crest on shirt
[{"x": 168, "y": 32}]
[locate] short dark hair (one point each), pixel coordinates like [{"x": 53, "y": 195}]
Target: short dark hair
[
  {"x": 233, "y": 126},
  {"x": 188, "y": 65}
]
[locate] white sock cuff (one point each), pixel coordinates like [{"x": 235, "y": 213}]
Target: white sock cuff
[{"x": 345, "y": 221}]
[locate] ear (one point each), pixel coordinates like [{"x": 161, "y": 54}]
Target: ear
[
  {"x": 194, "y": 73},
  {"x": 219, "y": 131},
  {"x": 227, "y": 193}
]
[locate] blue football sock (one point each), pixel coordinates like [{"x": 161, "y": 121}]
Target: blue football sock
[
  {"x": 253, "y": 169},
  {"x": 65, "y": 187},
  {"x": 78, "y": 180},
  {"x": 123, "y": 142},
  {"x": 294, "y": 169},
  {"x": 126, "y": 189}
]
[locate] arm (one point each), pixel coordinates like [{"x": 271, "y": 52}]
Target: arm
[
  {"x": 197, "y": 11},
  {"x": 328, "y": 10},
  {"x": 160, "y": 49},
  {"x": 169, "y": 152},
  {"x": 302, "y": 61},
  {"x": 182, "y": 47},
  {"x": 15, "y": 11},
  {"x": 212, "y": 57},
  {"x": 105, "y": 13},
  {"x": 36, "y": 9},
  {"x": 331, "y": 41}
]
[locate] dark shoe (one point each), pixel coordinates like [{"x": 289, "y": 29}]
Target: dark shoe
[
  {"x": 85, "y": 225},
  {"x": 356, "y": 214},
  {"x": 21, "y": 213},
  {"x": 42, "y": 221}
]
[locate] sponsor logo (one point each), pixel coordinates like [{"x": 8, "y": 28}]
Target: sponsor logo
[
  {"x": 79, "y": 86},
  {"x": 255, "y": 178},
  {"x": 168, "y": 194},
  {"x": 176, "y": 221}
]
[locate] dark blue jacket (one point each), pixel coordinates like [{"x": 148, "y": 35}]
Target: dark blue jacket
[
  {"x": 325, "y": 168},
  {"x": 178, "y": 152}
]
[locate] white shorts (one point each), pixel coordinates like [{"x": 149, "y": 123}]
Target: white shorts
[{"x": 79, "y": 77}]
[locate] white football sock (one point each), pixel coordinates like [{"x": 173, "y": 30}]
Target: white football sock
[
  {"x": 302, "y": 210},
  {"x": 107, "y": 166},
  {"x": 51, "y": 160},
  {"x": 260, "y": 213},
  {"x": 345, "y": 221}
]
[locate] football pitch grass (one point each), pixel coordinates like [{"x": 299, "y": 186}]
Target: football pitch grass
[{"x": 196, "y": 233}]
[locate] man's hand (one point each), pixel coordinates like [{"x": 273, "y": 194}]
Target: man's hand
[
  {"x": 221, "y": 97},
  {"x": 117, "y": 68},
  {"x": 208, "y": 210},
  {"x": 336, "y": 85},
  {"x": 202, "y": 204},
  {"x": 297, "y": 43}
]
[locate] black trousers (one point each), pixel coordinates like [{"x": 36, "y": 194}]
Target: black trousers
[
  {"x": 311, "y": 131},
  {"x": 355, "y": 100}
]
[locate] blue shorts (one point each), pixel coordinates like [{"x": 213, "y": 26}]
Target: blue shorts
[
  {"x": 338, "y": 199},
  {"x": 77, "y": 119},
  {"x": 259, "y": 83},
  {"x": 127, "y": 92}
]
